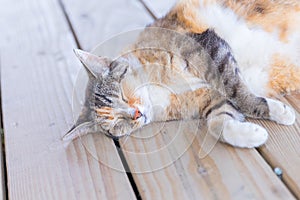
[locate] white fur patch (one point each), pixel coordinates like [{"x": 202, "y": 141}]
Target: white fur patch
[
  {"x": 253, "y": 48},
  {"x": 244, "y": 134},
  {"x": 281, "y": 113}
]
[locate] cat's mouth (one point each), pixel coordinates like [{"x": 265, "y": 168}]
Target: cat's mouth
[
  {"x": 140, "y": 115},
  {"x": 137, "y": 115}
]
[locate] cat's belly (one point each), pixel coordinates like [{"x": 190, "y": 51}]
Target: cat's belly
[{"x": 253, "y": 47}]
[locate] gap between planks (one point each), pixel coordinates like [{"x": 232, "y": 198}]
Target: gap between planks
[
  {"x": 290, "y": 100},
  {"x": 276, "y": 151},
  {"x": 63, "y": 172},
  {"x": 116, "y": 143},
  {"x": 61, "y": 4},
  {"x": 149, "y": 10},
  {"x": 3, "y": 172}
]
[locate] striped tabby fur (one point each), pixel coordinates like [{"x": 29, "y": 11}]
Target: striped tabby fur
[{"x": 192, "y": 64}]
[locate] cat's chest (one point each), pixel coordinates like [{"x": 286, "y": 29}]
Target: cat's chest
[{"x": 153, "y": 85}]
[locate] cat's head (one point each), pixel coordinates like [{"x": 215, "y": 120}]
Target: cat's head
[{"x": 106, "y": 109}]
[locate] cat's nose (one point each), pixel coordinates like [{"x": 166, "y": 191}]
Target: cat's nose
[{"x": 137, "y": 114}]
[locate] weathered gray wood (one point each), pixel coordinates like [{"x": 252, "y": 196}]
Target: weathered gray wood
[
  {"x": 2, "y": 178},
  {"x": 159, "y": 8},
  {"x": 225, "y": 173},
  {"x": 38, "y": 71},
  {"x": 96, "y": 21},
  {"x": 282, "y": 148}
]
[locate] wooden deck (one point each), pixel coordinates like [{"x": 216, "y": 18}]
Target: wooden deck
[{"x": 38, "y": 73}]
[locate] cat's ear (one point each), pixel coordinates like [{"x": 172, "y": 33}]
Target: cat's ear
[
  {"x": 119, "y": 69},
  {"x": 95, "y": 66}
]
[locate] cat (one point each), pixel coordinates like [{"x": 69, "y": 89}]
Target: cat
[{"x": 220, "y": 60}]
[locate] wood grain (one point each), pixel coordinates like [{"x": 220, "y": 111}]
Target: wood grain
[
  {"x": 165, "y": 162},
  {"x": 164, "y": 170},
  {"x": 37, "y": 78},
  {"x": 94, "y": 21},
  {"x": 2, "y": 177},
  {"x": 282, "y": 148},
  {"x": 159, "y": 8}
]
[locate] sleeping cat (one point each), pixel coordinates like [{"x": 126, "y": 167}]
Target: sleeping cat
[{"x": 213, "y": 59}]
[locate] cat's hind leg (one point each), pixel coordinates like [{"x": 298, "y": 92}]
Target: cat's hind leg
[
  {"x": 264, "y": 108},
  {"x": 224, "y": 120},
  {"x": 224, "y": 75},
  {"x": 226, "y": 123},
  {"x": 252, "y": 105}
]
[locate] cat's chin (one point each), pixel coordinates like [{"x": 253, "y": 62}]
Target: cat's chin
[{"x": 124, "y": 129}]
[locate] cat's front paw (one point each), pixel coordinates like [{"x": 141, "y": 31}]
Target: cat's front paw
[
  {"x": 281, "y": 113},
  {"x": 244, "y": 134}
]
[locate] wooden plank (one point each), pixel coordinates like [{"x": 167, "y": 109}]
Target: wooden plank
[
  {"x": 282, "y": 148},
  {"x": 294, "y": 101},
  {"x": 95, "y": 22},
  {"x": 38, "y": 75},
  {"x": 159, "y": 8},
  {"x": 224, "y": 173},
  {"x": 2, "y": 178}
]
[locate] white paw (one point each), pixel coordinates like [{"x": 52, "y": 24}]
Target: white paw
[
  {"x": 281, "y": 113},
  {"x": 244, "y": 134}
]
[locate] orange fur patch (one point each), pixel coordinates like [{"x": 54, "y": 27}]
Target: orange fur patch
[
  {"x": 157, "y": 64},
  {"x": 282, "y": 17},
  {"x": 153, "y": 56},
  {"x": 105, "y": 111},
  {"x": 173, "y": 111},
  {"x": 133, "y": 100},
  {"x": 187, "y": 15},
  {"x": 188, "y": 105},
  {"x": 284, "y": 76}
]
